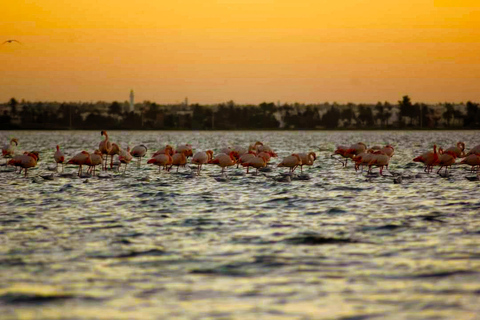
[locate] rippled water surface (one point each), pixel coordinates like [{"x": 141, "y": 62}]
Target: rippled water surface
[{"x": 150, "y": 245}]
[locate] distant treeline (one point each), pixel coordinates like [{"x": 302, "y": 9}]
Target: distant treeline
[{"x": 230, "y": 116}]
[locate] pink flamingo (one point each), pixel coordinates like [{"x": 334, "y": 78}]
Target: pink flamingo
[
  {"x": 59, "y": 157},
  {"x": 307, "y": 159},
  {"x": 472, "y": 160},
  {"x": 446, "y": 159},
  {"x": 161, "y": 160},
  {"x": 96, "y": 158},
  {"x": 80, "y": 159},
  {"x": 139, "y": 152},
  {"x": 201, "y": 158},
  {"x": 25, "y": 161},
  {"x": 224, "y": 160},
  {"x": 125, "y": 157},
  {"x": 256, "y": 162},
  {"x": 105, "y": 146},
  {"x": 291, "y": 162},
  {"x": 428, "y": 158}
]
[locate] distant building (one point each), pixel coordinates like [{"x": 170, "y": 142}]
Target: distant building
[{"x": 132, "y": 101}]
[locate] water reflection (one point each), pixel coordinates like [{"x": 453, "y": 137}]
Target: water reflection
[{"x": 165, "y": 245}]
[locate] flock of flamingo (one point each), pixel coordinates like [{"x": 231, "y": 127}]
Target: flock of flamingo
[{"x": 255, "y": 156}]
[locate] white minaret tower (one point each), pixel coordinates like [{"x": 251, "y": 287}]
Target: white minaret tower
[{"x": 132, "y": 101}]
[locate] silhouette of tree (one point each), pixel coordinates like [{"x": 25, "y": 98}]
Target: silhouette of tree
[
  {"x": 365, "y": 115},
  {"x": 331, "y": 117},
  {"x": 472, "y": 118},
  {"x": 13, "y": 103},
  {"x": 115, "y": 108},
  {"x": 379, "y": 113},
  {"x": 405, "y": 109},
  {"x": 387, "y": 113},
  {"x": 348, "y": 115},
  {"x": 449, "y": 114}
]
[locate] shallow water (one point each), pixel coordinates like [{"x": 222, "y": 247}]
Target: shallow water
[{"x": 150, "y": 245}]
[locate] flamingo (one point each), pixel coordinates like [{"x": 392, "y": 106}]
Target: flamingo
[
  {"x": 96, "y": 158},
  {"x": 268, "y": 149},
  {"x": 224, "y": 160},
  {"x": 246, "y": 158},
  {"x": 472, "y": 160},
  {"x": 179, "y": 159},
  {"x": 201, "y": 158},
  {"x": 388, "y": 150},
  {"x": 291, "y": 162},
  {"x": 256, "y": 162},
  {"x": 161, "y": 160},
  {"x": 105, "y": 146},
  {"x": 187, "y": 148},
  {"x": 363, "y": 158},
  {"x": 459, "y": 150},
  {"x": 139, "y": 152},
  {"x": 474, "y": 150},
  {"x": 125, "y": 157},
  {"x": 307, "y": 159},
  {"x": 115, "y": 150},
  {"x": 379, "y": 160},
  {"x": 59, "y": 157},
  {"x": 8, "y": 150},
  {"x": 343, "y": 152},
  {"x": 167, "y": 150},
  {"x": 357, "y": 148},
  {"x": 25, "y": 161},
  {"x": 446, "y": 159},
  {"x": 428, "y": 158},
  {"x": 80, "y": 159},
  {"x": 239, "y": 150},
  {"x": 254, "y": 146}
]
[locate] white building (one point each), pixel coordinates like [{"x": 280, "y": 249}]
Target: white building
[{"x": 132, "y": 101}]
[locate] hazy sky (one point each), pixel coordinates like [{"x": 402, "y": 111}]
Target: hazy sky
[{"x": 248, "y": 51}]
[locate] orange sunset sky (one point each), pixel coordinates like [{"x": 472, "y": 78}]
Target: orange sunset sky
[{"x": 249, "y": 51}]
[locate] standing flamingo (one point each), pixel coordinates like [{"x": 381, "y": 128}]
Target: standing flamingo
[
  {"x": 168, "y": 149},
  {"x": 474, "y": 150},
  {"x": 105, "y": 147},
  {"x": 59, "y": 157},
  {"x": 115, "y": 150},
  {"x": 344, "y": 153},
  {"x": 25, "y": 161},
  {"x": 179, "y": 159},
  {"x": 291, "y": 162},
  {"x": 161, "y": 160},
  {"x": 428, "y": 158},
  {"x": 186, "y": 148},
  {"x": 125, "y": 157},
  {"x": 307, "y": 159},
  {"x": 459, "y": 150},
  {"x": 96, "y": 158},
  {"x": 224, "y": 160},
  {"x": 81, "y": 159},
  {"x": 388, "y": 150},
  {"x": 379, "y": 160},
  {"x": 256, "y": 162},
  {"x": 446, "y": 159},
  {"x": 246, "y": 157},
  {"x": 8, "y": 150},
  {"x": 139, "y": 152},
  {"x": 363, "y": 159},
  {"x": 201, "y": 158},
  {"x": 472, "y": 160}
]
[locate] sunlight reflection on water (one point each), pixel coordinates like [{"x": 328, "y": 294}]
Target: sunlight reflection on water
[{"x": 164, "y": 245}]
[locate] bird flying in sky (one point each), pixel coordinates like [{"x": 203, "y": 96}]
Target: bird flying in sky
[{"x": 11, "y": 41}]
